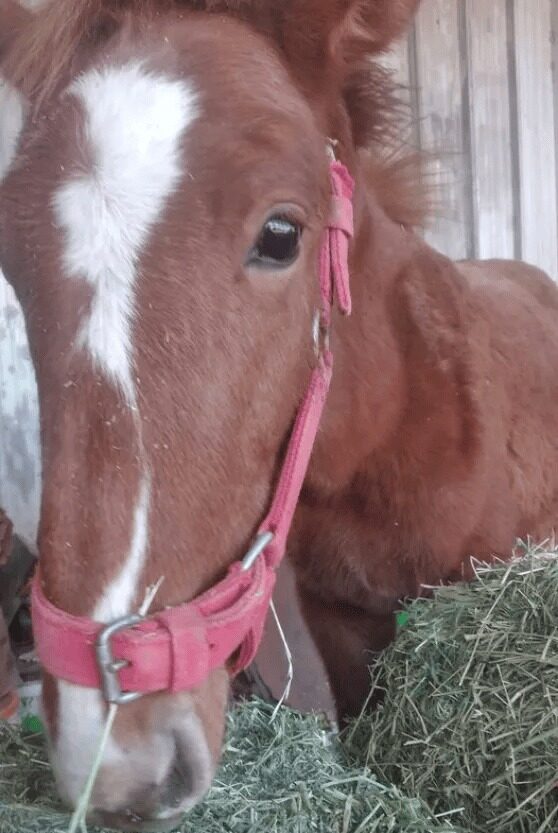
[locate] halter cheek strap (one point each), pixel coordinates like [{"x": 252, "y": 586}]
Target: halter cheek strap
[{"x": 176, "y": 649}]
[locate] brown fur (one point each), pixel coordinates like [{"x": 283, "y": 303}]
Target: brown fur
[
  {"x": 13, "y": 19},
  {"x": 8, "y": 676},
  {"x": 439, "y": 439}
]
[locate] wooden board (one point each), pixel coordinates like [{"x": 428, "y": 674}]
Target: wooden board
[
  {"x": 536, "y": 133},
  {"x": 441, "y": 122},
  {"x": 400, "y": 61},
  {"x": 490, "y": 125},
  {"x": 486, "y": 105}
]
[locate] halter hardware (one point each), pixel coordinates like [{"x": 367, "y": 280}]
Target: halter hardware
[
  {"x": 261, "y": 541},
  {"x": 109, "y": 665}
]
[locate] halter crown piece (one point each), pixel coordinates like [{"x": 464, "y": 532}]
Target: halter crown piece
[{"x": 176, "y": 649}]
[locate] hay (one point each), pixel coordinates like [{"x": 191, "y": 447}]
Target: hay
[
  {"x": 466, "y": 741},
  {"x": 470, "y": 718},
  {"x": 286, "y": 776}
]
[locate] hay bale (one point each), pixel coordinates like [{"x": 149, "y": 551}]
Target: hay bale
[
  {"x": 466, "y": 741},
  {"x": 470, "y": 719},
  {"x": 286, "y": 776}
]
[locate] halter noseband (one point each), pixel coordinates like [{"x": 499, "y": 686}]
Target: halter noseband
[{"x": 176, "y": 649}]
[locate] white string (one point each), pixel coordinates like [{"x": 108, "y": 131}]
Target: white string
[
  {"x": 77, "y": 822},
  {"x": 289, "y": 656}
]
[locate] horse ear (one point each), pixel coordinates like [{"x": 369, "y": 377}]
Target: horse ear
[
  {"x": 325, "y": 24},
  {"x": 369, "y": 27},
  {"x": 330, "y": 44},
  {"x": 335, "y": 35},
  {"x": 383, "y": 20}
]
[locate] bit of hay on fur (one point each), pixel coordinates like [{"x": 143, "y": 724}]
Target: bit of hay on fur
[{"x": 466, "y": 741}]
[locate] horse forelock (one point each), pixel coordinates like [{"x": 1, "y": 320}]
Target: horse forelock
[{"x": 341, "y": 39}]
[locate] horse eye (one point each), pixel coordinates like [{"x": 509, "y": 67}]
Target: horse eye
[{"x": 278, "y": 243}]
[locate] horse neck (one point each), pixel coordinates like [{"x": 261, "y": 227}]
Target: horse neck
[
  {"x": 368, "y": 387},
  {"x": 409, "y": 343}
]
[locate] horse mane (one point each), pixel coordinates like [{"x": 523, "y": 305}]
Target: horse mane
[
  {"x": 338, "y": 35},
  {"x": 41, "y": 54},
  {"x": 395, "y": 170}
]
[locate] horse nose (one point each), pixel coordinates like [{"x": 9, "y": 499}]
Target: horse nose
[
  {"x": 130, "y": 821},
  {"x": 161, "y": 807}
]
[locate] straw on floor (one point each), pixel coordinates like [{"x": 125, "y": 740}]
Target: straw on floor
[{"x": 466, "y": 741}]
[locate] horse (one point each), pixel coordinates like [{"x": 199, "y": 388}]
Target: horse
[{"x": 163, "y": 222}]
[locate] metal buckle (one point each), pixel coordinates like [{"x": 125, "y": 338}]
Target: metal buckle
[
  {"x": 320, "y": 335},
  {"x": 109, "y": 666},
  {"x": 259, "y": 544},
  {"x": 331, "y": 149}
]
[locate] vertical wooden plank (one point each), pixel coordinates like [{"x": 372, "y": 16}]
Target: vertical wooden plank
[
  {"x": 536, "y": 136},
  {"x": 20, "y": 464},
  {"x": 554, "y": 43},
  {"x": 442, "y": 128},
  {"x": 489, "y": 117}
]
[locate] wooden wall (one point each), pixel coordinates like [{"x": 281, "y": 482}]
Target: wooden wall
[{"x": 484, "y": 94}]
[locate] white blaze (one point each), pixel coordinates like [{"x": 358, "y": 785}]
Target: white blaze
[{"x": 134, "y": 124}]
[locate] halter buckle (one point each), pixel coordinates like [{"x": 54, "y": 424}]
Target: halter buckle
[
  {"x": 331, "y": 149},
  {"x": 320, "y": 335},
  {"x": 109, "y": 665}
]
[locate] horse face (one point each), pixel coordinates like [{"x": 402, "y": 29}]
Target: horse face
[
  {"x": 162, "y": 232},
  {"x": 171, "y": 328}
]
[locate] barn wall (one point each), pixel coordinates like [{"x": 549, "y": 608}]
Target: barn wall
[
  {"x": 19, "y": 421},
  {"x": 484, "y": 95}
]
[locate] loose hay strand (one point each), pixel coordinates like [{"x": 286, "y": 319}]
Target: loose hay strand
[
  {"x": 77, "y": 821},
  {"x": 289, "y": 658}
]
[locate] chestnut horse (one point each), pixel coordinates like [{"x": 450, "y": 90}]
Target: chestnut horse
[{"x": 160, "y": 223}]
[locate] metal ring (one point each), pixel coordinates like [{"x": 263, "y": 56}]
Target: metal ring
[
  {"x": 330, "y": 149},
  {"x": 109, "y": 665},
  {"x": 320, "y": 335},
  {"x": 258, "y": 545}
]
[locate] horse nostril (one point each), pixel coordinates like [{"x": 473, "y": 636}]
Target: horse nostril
[
  {"x": 173, "y": 793},
  {"x": 131, "y": 822},
  {"x": 179, "y": 784}
]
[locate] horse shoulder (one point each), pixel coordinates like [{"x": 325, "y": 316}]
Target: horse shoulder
[
  {"x": 481, "y": 347},
  {"x": 520, "y": 302}
]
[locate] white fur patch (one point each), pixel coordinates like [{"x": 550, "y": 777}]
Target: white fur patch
[
  {"x": 118, "y": 598},
  {"x": 134, "y": 124},
  {"x": 78, "y": 735},
  {"x": 81, "y": 713},
  {"x": 12, "y": 117}
]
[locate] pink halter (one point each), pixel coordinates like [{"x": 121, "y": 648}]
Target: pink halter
[{"x": 176, "y": 649}]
